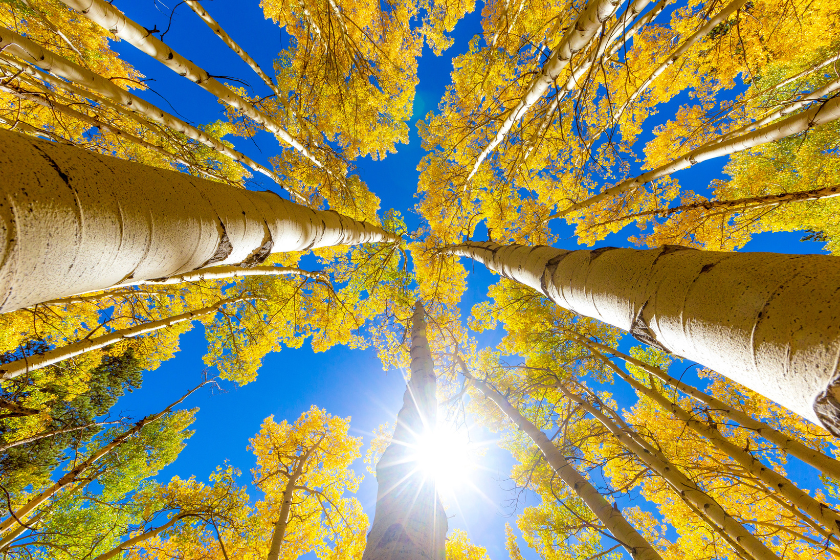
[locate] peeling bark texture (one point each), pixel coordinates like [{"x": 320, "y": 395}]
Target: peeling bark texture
[
  {"x": 821, "y": 113},
  {"x": 72, "y": 221},
  {"x": 409, "y": 523},
  {"x": 677, "y": 480},
  {"x": 768, "y": 321},
  {"x": 611, "y": 517},
  {"x": 116, "y": 22},
  {"x": 587, "y": 25},
  {"x": 26, "y": 50}
]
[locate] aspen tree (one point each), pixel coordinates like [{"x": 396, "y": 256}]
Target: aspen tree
[
  {"x": 201, "y": 224},
  {"x": 791, "y": 445},
  {"x": 727, "y": 311},
  {"x": 678, "y": 480},
  {"x": 410, "y": 522},
  {"x": 611, "y": 517},
  {"x": 824, "y": 112},
  {"x": 20, "y": 513},
  {"x": 116, "y": 22},
  {"x": 126, "y": 102},
  {"x": 827, "y": 516},
  {"x": 31, "y": 363},
  {"x": 578, "y": 37}
]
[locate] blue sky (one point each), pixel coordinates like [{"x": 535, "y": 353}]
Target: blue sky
[{"x": 344, "y": 382}]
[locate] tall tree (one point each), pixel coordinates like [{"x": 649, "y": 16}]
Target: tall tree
[{"x": 410, "y": 522}]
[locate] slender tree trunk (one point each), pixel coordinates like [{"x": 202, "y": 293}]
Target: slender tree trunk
[
  {"x": 768, "y": 321},
  {"x": 788, "y": 444},
  {"x": 144, "y": 536},
  {"x": 282, "y": 523},
  {"x": 30, "y": 52},
  {"x": 828, "y": 517},
  {"x": 214, "y": 26},
  {"x": 611, "y": 517},
  {"x": 740, "y": 204},
  {"x": 642, "y": 21},
  {"x": 116, "y": 22},
  {"x": 578, "y": 37},
  {"x": 822, "y": 113},
  {"x": 810, "y": 69},
  {"x": 14, "y": 410},
  {"x": 75, "y": 222},
  {"x": 681, "y": 484},
  {"x": 43, "y": 359},
  {"x": 409, "y": 523},
  {"x": 44, "y": 435},
  {"x": 70, "y": 476},
  {"x": 204, "y": 275},
  {"x": 720, "y": 17}
]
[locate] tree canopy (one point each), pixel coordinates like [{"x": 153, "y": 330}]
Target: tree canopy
[{"x": 220, "y": 171}]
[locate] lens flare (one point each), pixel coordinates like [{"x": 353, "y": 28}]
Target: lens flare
[{"x": 447, "y": 456}]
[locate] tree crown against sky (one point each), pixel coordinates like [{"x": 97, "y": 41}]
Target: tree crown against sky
[{"x": 709, "y": 125}]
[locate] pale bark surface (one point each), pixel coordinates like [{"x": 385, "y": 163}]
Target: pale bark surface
[
  {"x": 827, "y": 465},
  {"x": 73, "y": 221},
  {"x": 43, "y": 359},
  {"x": 677, "y": 480},
  {"x": 613, "y": 520},
  {"x": 130, "y": 31},
  {"x": 768, "y": 321},
  {"x": 821, "y": 113},
  {"x": 590, "y": 21},
  {"x": 409, "y": 523},
  {"x": 26, "y": 50}
]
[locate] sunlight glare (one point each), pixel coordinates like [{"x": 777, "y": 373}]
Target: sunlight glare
[{"x": 447, "y": 456}]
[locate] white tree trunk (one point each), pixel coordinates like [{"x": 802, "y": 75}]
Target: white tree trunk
[
  {"x": 130, "y": 31},
  {"x": 678, "y": 481},
  {"x": 74, "y": 221},
  {"x": 43, "y": 359},
  {"x": 409, "y": 523},
  {"x": 23, "y": 48},
  {"x": 822, "y": 113},
  {"x": 587, "y": 25},
  {"x": 770, "y": 322},
  {"x": 788, "y": 444},
  {"x": 611, "y": 517}
]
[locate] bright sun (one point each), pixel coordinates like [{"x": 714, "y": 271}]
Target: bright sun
[{"x": 448, "y": 457}]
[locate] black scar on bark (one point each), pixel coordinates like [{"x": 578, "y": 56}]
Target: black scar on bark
[
  {"x": 642, "y": 332},
  {"x": 262, "y": 252},
  {"x": 827, "y": 407},
  {"x": 223, "y": 249},
  {"x": 550, "y": 267}
]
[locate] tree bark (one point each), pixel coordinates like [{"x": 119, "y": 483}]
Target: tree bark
[
  {"x": 680, "y": 483},
  {"x": 828, "y": 517},
  {"x": 203, "y": 275},
  {"x": 409, "y": 523},
  {"x": 587, "y": 25},
  {"x": 784, "y": 442},
  {"x": 26, "y": 50},
  {"x": 720, "y": 17},
  {"x": 741, "y": 204},
  {"x": 216, "y": 28},
  {"x": 823, "y": 113},
  {"x": 74, "y": 221},
  {"x": 146, "y": 535},
  {"x": 770, "y": 322},
  {"x": 116, "y": 22},
  {"x": 611, "y": 517},
  {"x": 43, "y": 359}
]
